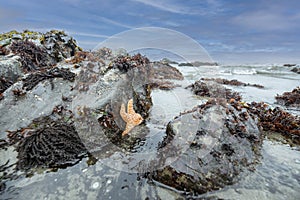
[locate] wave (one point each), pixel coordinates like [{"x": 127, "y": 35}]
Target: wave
[
  {"x": 252, "y": 70},
  {"x": 238, "y": 72}
]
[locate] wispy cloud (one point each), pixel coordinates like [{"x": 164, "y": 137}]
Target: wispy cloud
[
  {"x": 87, "y": 34},
  {"x": 166, "y": 6},
  {"x": 202, "y": 8},
  {"x": 113, "y": 22},
  {"x": 267, "y": 20}
]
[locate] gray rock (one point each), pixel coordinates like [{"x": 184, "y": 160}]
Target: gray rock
[
  {"x": 10, "y": 68},
  {"x": 296, "y": 69},
  {"x": 226, "y": 143}
]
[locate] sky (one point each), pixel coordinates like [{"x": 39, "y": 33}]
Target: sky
[{"x": 231, "y": 31}]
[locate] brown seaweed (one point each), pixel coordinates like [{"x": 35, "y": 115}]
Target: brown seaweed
[
  {"x": 125, "y": 63},
  {"x": 52, "y": 144},
  {"x": 233, "y": 82},
  {"x": 33, "y": 79},
  {"x": 3, "y": 51},
  {"x": 32, "y": 57},
  {"x": 277, "y": 120},
  {"x": 289, "y": 98},
  {"x": 4, "y": 84},
  {"x": 201, "y": 88}
]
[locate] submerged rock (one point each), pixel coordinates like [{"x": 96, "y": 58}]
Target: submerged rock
[{"x": 226, "y": 144}]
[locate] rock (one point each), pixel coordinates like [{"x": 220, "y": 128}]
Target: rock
[
  {"x": 213, "y": 90},
  {"x": 38, "y": 48},
  {"x": 289, "y": 98},
  {"x": 296, "y": 70},
  {"x": 198, "y": 64},
  {"x": 231, "y": 82},
  {"x": 226, "y": 144},
  {"x": 185, "y": 64},
  {"x": 168, "y": 61},
  {"x": 289, "y": 65},
  {"x": 59, "y": 46},
  {"x": 10, "y": 68}
]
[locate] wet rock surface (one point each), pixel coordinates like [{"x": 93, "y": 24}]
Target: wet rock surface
[{"x": 227, "y": 143}]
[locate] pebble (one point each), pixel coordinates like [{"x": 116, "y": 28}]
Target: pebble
[
  {"x": 95, "y": 185},
  {"x": 297, "y": 161},
  {"x": 84, "y": 170},
  {"x": 109, "y": 182}
]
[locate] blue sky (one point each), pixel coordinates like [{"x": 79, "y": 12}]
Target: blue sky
[{"x": 232, "y": 31}]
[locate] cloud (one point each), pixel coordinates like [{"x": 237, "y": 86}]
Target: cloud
[
  {"x": 112, "y": 22},
  {"x": 267, "y": 20},
  {"x": 203, "y": 8},
  {"x": 165, "y": 6},
  {"x": 87, "y": 34}
]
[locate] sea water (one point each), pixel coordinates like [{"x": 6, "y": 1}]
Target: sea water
[{"x": 277, "y": 176}]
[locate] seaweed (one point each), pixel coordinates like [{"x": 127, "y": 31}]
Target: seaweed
[
  {"x": 18, "y": 92},
  {"x": 277, "y": 120},
  {"x": 125, "y": 63},
  {"x": 233, "y": 82},
  {"x": 289, "y": 98},
  {"x": 3, "y": 51},
  {"x": 201, "y": 88},
  {"x": 33, "y": 79},
  {"x": 4, "y": 84},
  {"x": 55, "y": 145},
  {"x": 79, "y": 56},
  {"x": 32, "y": 57}
]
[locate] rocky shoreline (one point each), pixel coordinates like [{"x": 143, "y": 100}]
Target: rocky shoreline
[{"x": 60, "y": 104}]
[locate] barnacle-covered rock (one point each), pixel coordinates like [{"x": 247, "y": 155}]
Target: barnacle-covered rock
[
  {"x": 125, "y": 63},
  {"x": 37, "y": 50},
  {"x": 225, "y": 146}
]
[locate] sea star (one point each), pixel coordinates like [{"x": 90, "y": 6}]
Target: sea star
[{"x": 131, "y": 118}]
